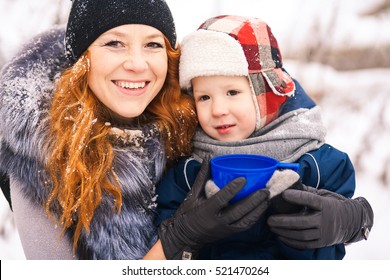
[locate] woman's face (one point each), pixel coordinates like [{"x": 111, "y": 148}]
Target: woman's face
[{"x": 128, "y": 68}]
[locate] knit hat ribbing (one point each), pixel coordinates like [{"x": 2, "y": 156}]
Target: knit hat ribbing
[
  {"x": 88, "y": 19},
  {"x": 250, "y": 49}
]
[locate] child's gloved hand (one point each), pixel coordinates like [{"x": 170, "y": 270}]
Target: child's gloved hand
[
  {"x": 280, "y": 181},
  {"x": 329, "y": 218}
]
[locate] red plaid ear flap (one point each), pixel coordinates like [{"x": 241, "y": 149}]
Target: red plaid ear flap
[
  {"x": 274, "y": 80},
  {"x": 268, "y": 102},
  {"x": 279, "y": 81}
]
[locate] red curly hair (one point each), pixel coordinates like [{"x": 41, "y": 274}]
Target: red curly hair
[{"x": 81, "y": 158}]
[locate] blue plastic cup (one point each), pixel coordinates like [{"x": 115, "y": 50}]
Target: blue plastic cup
[{"x": 256, "y": 169}]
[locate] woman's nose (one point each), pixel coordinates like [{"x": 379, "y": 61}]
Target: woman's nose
[{"x": 135, "y": 61}]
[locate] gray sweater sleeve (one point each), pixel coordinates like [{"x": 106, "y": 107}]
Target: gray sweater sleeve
[{"x": 39, "y": 235}]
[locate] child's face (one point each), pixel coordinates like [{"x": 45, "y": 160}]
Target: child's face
[{"x": 225, "y": 107}]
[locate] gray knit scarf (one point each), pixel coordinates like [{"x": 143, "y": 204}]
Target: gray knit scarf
[{"x": 285, "y": 139}]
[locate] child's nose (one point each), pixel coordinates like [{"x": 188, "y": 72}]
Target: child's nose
[{"x": 218, "y": 109}]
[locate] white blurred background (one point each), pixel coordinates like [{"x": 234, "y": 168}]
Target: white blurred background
[{"x": 339, "y": 50}]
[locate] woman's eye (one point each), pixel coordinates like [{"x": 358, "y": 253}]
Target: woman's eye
[
  {"x": 155, "y": 45},
  {"x": 114, "y": 44},
  {"x": 232, "y": 92}
]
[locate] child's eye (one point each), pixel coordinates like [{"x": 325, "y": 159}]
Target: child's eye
[
  {"x": 114, "y": 44},
  {"x": 155, "y": 45},
  {"x": 232, "y": 92}
]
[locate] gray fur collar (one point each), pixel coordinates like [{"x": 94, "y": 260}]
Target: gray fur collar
[{"x": 26, "y": 86}]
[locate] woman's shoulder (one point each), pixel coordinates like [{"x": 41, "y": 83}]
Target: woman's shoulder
[
  {"x": 43, "y": 53},
  {"x": 26, "y": 88}
]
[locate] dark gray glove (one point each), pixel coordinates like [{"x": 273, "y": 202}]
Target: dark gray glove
[
  {"x": 280, "y": 181},
  {"x": 328, "y": 219},
  {"x": 200, "y": 220}
]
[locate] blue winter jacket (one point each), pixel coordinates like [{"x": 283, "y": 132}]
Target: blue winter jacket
[{"x": 326, "y": 168}]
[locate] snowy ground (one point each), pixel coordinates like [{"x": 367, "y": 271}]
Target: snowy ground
[{"x": 354, "y": 103}]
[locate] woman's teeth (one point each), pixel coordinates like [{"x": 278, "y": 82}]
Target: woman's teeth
[{"x": 130, "y": 85}]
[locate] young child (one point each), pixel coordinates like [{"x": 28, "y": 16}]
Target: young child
[{"x": 247, "y": 103}]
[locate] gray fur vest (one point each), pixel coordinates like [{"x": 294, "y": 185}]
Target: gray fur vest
[{"x": 26, "y": 86}]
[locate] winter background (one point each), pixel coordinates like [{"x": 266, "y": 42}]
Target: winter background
[{"x": 339, "y": 50}]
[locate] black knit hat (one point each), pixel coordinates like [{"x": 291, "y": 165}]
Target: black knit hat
[{"x": 88, "y": 19}]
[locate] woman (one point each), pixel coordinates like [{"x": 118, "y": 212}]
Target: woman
[{"x": 88, "y": 151}]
